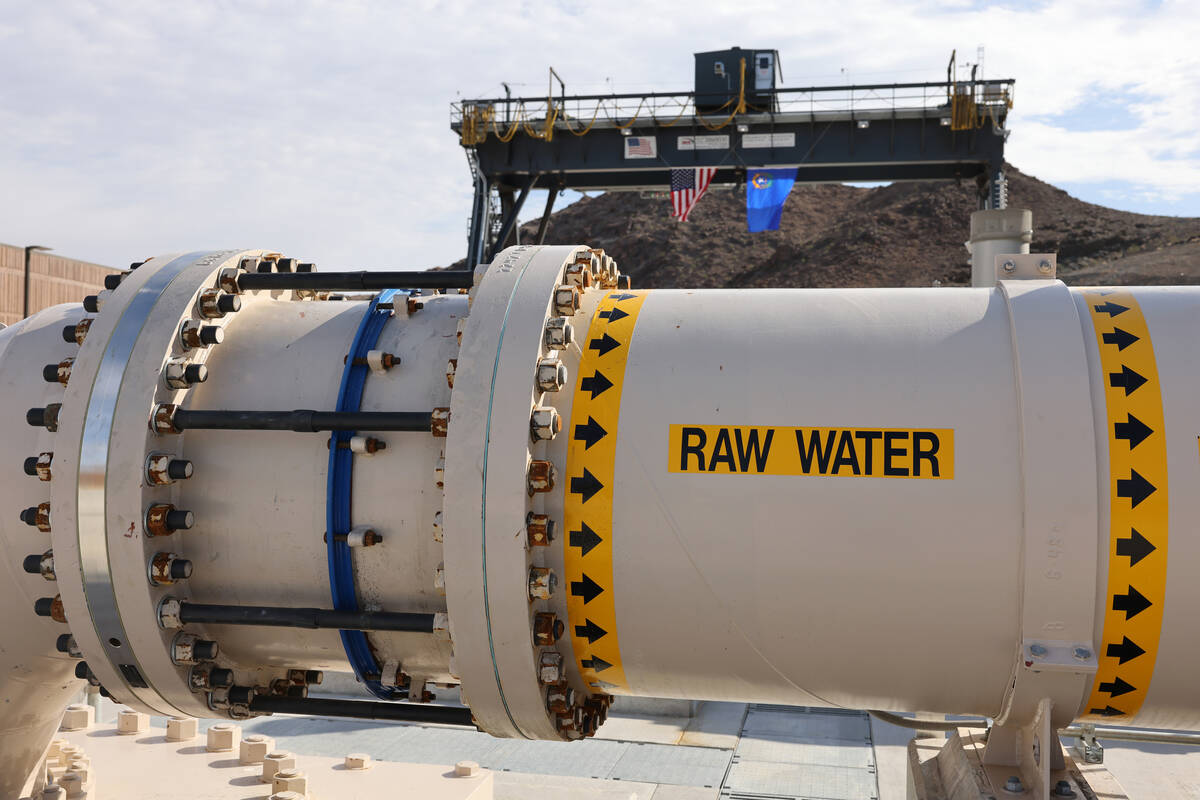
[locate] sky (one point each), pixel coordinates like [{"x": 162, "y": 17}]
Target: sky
[{"x": 321, "y": 129}]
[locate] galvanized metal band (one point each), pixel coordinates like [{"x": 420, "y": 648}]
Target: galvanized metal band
[
  {"x": 92, "y": 508},
  {"x": 588, "y": 493}
]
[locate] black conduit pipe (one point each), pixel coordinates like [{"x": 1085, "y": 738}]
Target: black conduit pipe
[
  {"x": 315, "y": 618},
  {"x": 359, "y": 281},
  {"x": 362, "y": 709},
  {"x": 303, "y": 420}
]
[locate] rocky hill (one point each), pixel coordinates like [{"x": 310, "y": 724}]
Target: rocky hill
[{"x": 906, "y": 234}]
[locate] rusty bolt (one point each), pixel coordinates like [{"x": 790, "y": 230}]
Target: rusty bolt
[
  {"x": 440, "y": 422},
  {"x": 187, "y": 649},
  {"x": 363, "y": 536},
  {"x": 544, "y": 423},
  {"x": 451, "y": 368},
  {"x": 550, "y": 666},
  {"x": 194, "y": 334},
  {"x": 551, "y": 374},
  {"x": 215, "y": 304},
  {"x": 542, "y": 475},
  {"x": 560, "y": 697},
  {"x": 462, "y": 326},
  {"x": 51, "y": 607},
  {"x": 37, "y": 516},
  {"x": 58, "y": 373},
  {"x": 539, "y": 528},
  {"x": 163, "y": 519},
  {"x": 227, "y": 281},
  {"x": 558, "y": 334},
  {"x": 163, "y": 469},
  {"x": 46, "y": 417},
  {"x": 437, "y": 526},
  {"x": 547, "y": 628},
  {"x": 579, "y": 274},
  {"x": 41, "y": 565},
  {"x": 439, "y": 473},
  {"x": 79, "y": 331},
  {"x": 566, "y": 301},
  {"x": 542, "y": 582},
  {"x": 162, "y": 421},
  {"x": 414, "y": 304},
  {"x": 179, "y": 373},
  {"x": 41, "y": 467},
  {"x": 168, "y": 616},
  {"x": 167, "y": 568},
  {"x": 249, "y": 264}
]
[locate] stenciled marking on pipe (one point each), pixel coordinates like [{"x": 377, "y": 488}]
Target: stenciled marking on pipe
[
  {"x": 830, "y": 452},
  {"x": 588, "y": 494},
  {"x": 1137, "y": 548}
]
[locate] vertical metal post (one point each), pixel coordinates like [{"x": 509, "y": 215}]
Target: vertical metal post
[
  {"x": 511, "y": 208},
  {"x": 28, "y": 254},
  {"x": 477, "y": 239},
  {"x": 551, "y": 196}
]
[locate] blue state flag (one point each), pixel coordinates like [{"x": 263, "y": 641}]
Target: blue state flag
[{"x": 766, "y": 191}]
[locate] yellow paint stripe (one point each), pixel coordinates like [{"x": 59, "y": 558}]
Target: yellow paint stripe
[
  {"x": 1137, "y": 548},
  {"x": 588, "y": 493}
]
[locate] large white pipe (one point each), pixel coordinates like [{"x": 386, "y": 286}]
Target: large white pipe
[{"x": 709, "y": 537}]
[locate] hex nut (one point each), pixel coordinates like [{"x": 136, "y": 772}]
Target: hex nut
[
  {"x": 72, "y": 784},
  {"x": 550, "y": 667},
  {"x": 182, "y": 729},
  {"x": 290, "y": 780},
  {"x": 544, "y": 423},
  {"x": 566, "y": 301},
  {"x": 78, "y": 717},
  {"x": 558, "y": 333},
  {"x": 276, "y": 762},
  {"x": 467, "y": 769},
  {"x": 130, "y": 722},
  {"x": 224, "y": 737},
  {"x": 542, "y": 476},
  {"x": 542, "y": 582},
  {"x": 551, "y": 374},
  {"x": 254, "y": 749},
  {"x": 358, "y": 761}
]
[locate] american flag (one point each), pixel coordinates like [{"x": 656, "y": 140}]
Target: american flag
[
  {"x": 687, "y": 187},
  {"x": 643, "y": 146}
]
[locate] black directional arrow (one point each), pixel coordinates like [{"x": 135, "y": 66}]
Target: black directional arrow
[
  {"x": 613, "y": 315},
  {"x": 1132, "y": 604},
  {"x": 1136, "y": 547},
  {"x": 1134, "y": 431},
  {"x": 1107, "y": 711},
  {"x": 1111, "y": 308},
  {"x": 587, "y": 588},
  {"x": 597, "y": 384},
  {"x": 591, "y": 631},
  {"x": 606, "y": 344},
  {"x": 595, "y": 663},
  {"x": 1136, "y": 488},
  {"x": 620, "y": 297},
  {"x": 1120, "y": 338},
  {"x": 588, "y": 485},
  {"x": 1125, "y": 651},
  {"x": 1117, "y": 688},
  {"x": 589, "y": 434},
  {"x": 585, "y": 538},
  {"x": 1126, "y": 379}
]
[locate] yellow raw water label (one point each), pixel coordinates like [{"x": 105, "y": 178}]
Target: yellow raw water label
[
  {"x": 1138, "y": 508},
  {"x": 834, "y": 452},
  {"x": 588, "y": 491}
]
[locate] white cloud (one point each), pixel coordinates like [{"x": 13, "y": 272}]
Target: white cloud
[{"x": 321, "y": 128}]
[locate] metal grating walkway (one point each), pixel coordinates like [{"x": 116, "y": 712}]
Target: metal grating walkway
[{"x": 790, "y": 753}]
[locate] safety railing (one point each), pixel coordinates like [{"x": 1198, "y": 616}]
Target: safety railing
[{"x": 967, "y": 103}]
